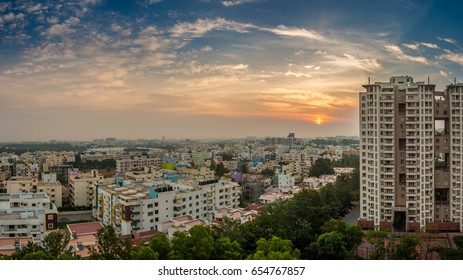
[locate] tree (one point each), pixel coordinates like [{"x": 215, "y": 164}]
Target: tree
[
  {"x": 244, "y": 167},
  {"x": 224, "y": 249},
  {"x": 352, "y": 234},
  {"x": 168, "y": 166},
  {"x": 160, "y": 244},
  {"x": 220, "y": 169},
  {"x": 196, "y": 244},
  {"x": 29, "y": 248},
  {"x": 275, "y": 249},
  {"x": 377, "y": 240},
  {"x": 109, "y": 246},
  {"x": 406, "y": 249},
  {"x": 331, "y": 246},
  {"x": 144, "y": 253},
  {"x": 320, "y": 167},
  {"x": 268, "y": 172},
  {"x": 39, "y": 255},
  {"x": 57, "y": 243}
]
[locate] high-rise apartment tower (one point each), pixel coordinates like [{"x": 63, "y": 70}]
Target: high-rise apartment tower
[{"x": 411, "y": 155}]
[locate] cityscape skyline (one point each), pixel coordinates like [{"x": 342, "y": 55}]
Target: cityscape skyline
[{"x": 210, "y": 69}]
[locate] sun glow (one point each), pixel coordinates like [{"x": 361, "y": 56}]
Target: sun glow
[{"x": 318, "y": 120}]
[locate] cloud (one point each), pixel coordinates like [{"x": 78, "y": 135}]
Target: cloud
[
  {"x": 4, "y": 6},
  {"x": 206, "y": 49},
  {"x": 63, "y": 28},
  {"x": 297, "y": 74},
  {"x": 397, "y": 51},
  {"x": 412, "y": 46},
  {"x": 350, "y": 61},
  {"x": 285, "y": 31},
  {"x": 448, "y": 40},
  {"x": 35, "y": 8},
  {"x": 202, "y": 26},
  {"x": 231, "y": 3},
  {"x": 429, "y": 45},
  {"x": 452, "y": 57},
  {"x": 117, "y": 28},
  {"x": 194, "y": 68},
  {"x": 11, "y": 17},
  {"x": 152, "y": 2},
  {"x": 443, "y": 73}
]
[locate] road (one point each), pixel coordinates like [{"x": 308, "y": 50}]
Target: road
[{"x": 353, "y": 216}]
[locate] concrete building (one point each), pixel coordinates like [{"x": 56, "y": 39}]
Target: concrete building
[
  {"x": 27, "y": 214},
  {"x": 130, "y": 164},
  {"x": 54, "y": 190},
  {"x": 411, "y": 161},
  {"x": 252, "y": 190},
  {"x": 285, "y": 180},
  {"x": 144, "y": 206},
  {"x": 81, "y": 188}
]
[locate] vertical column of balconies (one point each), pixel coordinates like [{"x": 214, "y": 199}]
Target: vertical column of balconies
[
  {"x": 426, "y": 138},
  {"x": 387, "y": 134},
  {"x": 455, "y": 93},
  {"x": 412, "y": 142}
]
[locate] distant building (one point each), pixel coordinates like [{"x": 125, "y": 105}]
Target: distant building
[
  {"x": 252, "y": 190},
  {"x": 131, "y": 164}
]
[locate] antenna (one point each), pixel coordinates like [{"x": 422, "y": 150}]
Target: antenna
[
  {"x": 368, "y": 80},
  {"x": 428, "y": 80},
  {"x": 454, "y": 80}
]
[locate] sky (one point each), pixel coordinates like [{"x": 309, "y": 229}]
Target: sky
[{"x": 130, "y": 69}]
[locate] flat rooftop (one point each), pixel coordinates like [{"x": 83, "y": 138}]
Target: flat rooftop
[{"x": 84, "y": 228}]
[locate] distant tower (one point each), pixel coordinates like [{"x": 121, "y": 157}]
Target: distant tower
[{"x": 291, "y": 138}]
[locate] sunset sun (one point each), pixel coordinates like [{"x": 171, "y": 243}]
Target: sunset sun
[{"x": 318, "y": 120}]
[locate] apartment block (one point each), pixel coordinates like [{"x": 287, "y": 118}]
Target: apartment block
[
  {"x": 27, "y": 215},
  {"x": 144, "y": 206},
  {"x": 32, "y": 185},
  {"x": 131, "y": 164},
  {"x": 81, "y": 187},
  {"x": 411, "y": 161}
]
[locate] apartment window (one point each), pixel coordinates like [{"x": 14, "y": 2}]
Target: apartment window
[
  {"x": 156, "y": 219},
  {"x": 50, "y": 226},
  {"x": 150, "y": 213},
  {"x": 156, "y": 212},
  {"x": 50, "y": 217},
  {"x": 150, "y": 205}
]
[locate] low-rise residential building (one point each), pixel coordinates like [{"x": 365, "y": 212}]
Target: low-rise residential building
[
  {"x": 10, "y": 245},
  {"x": 144, "y": 206},
  {"x": 83, "y": 236},
  {"x": 27, "y": 215},
  {"x": 182, "y": 224}
]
